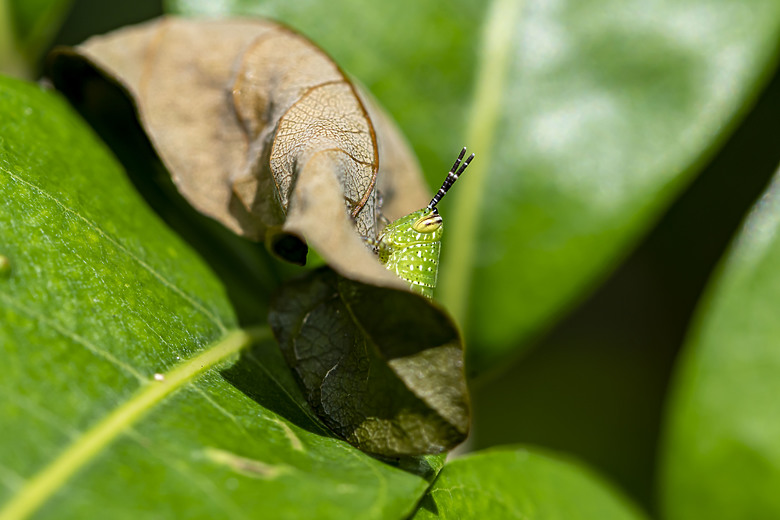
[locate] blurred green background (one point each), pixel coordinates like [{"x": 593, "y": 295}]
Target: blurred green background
[{"x": 593, "y": 384}]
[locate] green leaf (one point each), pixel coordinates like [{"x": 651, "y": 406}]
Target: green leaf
[
  {"x": 722, "y": 451},
  {"x": 524, "y": 484},
  {"x": 382, "y": 367},
  {"x": 116, "y": 398},
  {"x": 587, "y": 118}
]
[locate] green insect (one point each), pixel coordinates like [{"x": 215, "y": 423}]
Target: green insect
[{"x": 410, "y": 246}]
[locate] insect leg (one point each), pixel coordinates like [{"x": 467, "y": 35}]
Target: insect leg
[
  {"x": 382, "y": 220},
  {"x": 372, "y": 243}
]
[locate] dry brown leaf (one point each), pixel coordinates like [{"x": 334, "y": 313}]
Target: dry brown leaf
[{"x": 263, "y": 132}]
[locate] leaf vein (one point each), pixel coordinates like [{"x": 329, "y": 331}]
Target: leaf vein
[
  {"x": 222, "y": 410},
  {"x": 96, "y": 350},
  {"x": 167, "y": 283},
  {"x": 296, "y": 402}
]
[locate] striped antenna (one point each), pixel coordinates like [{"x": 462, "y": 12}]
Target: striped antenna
[{"x": 452, "y": 176}]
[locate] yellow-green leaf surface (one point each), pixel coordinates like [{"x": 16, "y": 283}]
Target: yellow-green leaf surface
[
  {"x": 722, "y": 451},
  {"x": 587, "y": 118},
  {"x": 523, "y": 484},
  {"x": 117, "y": 397}
]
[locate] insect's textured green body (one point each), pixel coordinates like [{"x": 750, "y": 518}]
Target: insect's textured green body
[
  {"x": 410, "y": 246},
  {"x": 412, "y": 255}
]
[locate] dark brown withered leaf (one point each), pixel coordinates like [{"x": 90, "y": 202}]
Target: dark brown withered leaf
[{"x": 383, "y": 368}]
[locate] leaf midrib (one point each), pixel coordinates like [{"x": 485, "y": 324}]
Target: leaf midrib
[
  {"x": 84, "y": 449},
  {"x": 466, "y": 204}
]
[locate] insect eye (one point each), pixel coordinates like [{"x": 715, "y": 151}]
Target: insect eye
[{"x": 428, "y": 223}]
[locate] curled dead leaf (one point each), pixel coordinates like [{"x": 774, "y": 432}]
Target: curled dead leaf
[
  {"x": 390, "y": 390},
  {"x": 261, "y": 131}
]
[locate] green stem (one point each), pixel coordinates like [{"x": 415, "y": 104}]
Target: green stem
[
  {"x": 466, "y": 207},
  {"x": 42, "y": 486},
  {"x": 45, "y": 27},
  {"x": 11, "y": 61}
]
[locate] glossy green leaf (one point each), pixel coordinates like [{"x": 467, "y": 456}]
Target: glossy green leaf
[
  {"x": 722, "y": 450},
  {"x": 382, "y": 367},
  {"x": 116, "y": 399},
  {"x": 587, "y": 118},
  {"x": 523, "y": 484}
]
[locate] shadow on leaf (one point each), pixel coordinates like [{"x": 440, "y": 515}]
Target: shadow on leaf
[{"x": 263, "y": 376}]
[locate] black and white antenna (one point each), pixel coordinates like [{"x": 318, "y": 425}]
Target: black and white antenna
[{"x": 452, "y": 176}]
